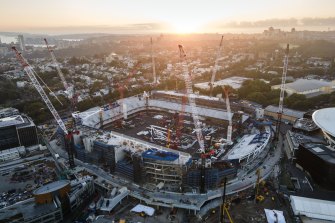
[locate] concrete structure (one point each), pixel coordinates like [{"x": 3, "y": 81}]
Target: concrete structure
[
  {"x": 137, "y": 103},
  {"x": 16, "y": 130},
  {"x": 28, "y": 212},
  {"x": 319, "y": 161},
  {"x": 142, "y": 208},
  {"x": 81, "y": 190},
  {"x": 127, "y": 148},
  {"x": 108, "y": 204},
  {"x": 294, "y": 139},
  {"x": 313, "y": 208},
  {"x": 46, "y": 193},
  {"x": 50, "y": 202},
  {"x": 7, "y": 112},
  {"x": 309, "y": 88},
  {"x": 250, "y": 146},
  {"x": 289, "y": 115},
  {"x": 325, "y": 120},
  {"x": 11, "y": 154},
  {"x": 305, "y": 125}
]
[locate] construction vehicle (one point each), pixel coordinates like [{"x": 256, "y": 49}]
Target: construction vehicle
[
  {"x": 282, "y": 94},
  {"x": 211, "y": 84},
  {"x": 68, "y": 134},
  {"x": 259, "y": 198},
  {"x": 190, "y": 96}
]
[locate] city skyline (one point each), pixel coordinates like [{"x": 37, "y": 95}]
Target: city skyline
[{"x": 60, "y": 17}]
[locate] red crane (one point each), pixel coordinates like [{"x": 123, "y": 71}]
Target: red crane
[{"x": 68, "y": 134}]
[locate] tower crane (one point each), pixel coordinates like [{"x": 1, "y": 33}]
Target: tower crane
[
  {"x": 258, "y": 197},
  {"x": 68, "y": 88},
  {"x": 153, "y": 62},
  {"x": 30, "y": 72},
  {"x": 189, "y": 91},
  {"x": 59, "y": 71},
  {"x": 282, "y": 93},
  {"x": 230, "y": 126},
  {"x": 215, "y": 68},
  {"x": 179, "y": 121}
]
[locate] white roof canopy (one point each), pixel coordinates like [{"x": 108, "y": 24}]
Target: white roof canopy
[
  {"x": 274, "y": 216},
  {"x": 325, "y": 120},
  {"x": 141, "y": 208},
  {"x": 313, "y": 208}
]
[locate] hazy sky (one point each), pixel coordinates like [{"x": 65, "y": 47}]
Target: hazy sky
[{"x": 155, "y": 15}]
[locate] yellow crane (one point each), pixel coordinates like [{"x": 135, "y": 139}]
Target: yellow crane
[
  {"x": 258, "y": 197},
  {"x": 224, "y": 206},
  {"x": 225, "y": 209}
]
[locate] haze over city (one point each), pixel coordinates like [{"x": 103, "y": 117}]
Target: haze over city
[
  {"x": 202, "y": 111},
  {"x": 148, "y": 16}
]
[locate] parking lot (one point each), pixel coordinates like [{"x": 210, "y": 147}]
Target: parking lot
[{"x": 18, "y": 182}]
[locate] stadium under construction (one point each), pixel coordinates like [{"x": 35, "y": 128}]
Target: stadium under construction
[{"x": 150, "y": 140}]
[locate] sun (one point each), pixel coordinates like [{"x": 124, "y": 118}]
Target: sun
[{"x": 185, "y": 26}]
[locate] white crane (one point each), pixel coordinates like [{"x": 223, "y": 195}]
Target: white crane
[
  {"x": 282, "y": 92},
  {"x": 30, "y": 72},
  {"x": 67, "y": 87},
  {"x": 211, "y": 84},
  {"x": 153, "y": 63},
  {"x": 230, "y": 126},
  {"x": 190, "y": 95}
]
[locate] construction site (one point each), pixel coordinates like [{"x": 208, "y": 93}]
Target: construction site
[{"x": 173, "y": 149}]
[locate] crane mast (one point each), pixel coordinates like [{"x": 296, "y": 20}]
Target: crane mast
[
  {"x": 189, "y": 91},
  {"x": 68, "y": 135},
  {"x": 29, "y": 70},
  {"x": 282, "y": 93},
  {"x": 153, "y": 62},
  {"x": 211, "y": 84},
  {"x": 230, "y": 127},
  {"x": 59, "y": 71}
]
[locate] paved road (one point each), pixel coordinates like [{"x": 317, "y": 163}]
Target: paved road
[{"x": 190, "y": 201}]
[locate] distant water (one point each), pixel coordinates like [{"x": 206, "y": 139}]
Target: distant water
[
  {"x": 72, "y": 40},
  {"x": 8, "y": 39}
]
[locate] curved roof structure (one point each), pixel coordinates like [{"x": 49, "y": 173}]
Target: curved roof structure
[
  {"x": 325, "y": 119},
  {"x": 51, "y": 187}
]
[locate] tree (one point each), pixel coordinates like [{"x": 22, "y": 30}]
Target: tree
[
  {"x": 275, "y": 81},
  {"x": 84, "y": 105},
  {"x": 250, "y": 86},
  {"x": 37, "y": 111},
  {"x": 292, "y": 99},
  {"x": 257, "y": 97}
]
